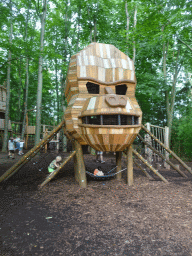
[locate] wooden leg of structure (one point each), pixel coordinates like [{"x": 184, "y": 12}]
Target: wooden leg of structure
[
  {"x": 64, "y": 141},
  {"x": 26, "y": 141},
  {"x": 75, "y": 164},
  {"x": 130, "y": 166},
  {"x": 80, "y": 173},
  {"x": 118, "y": 164}
]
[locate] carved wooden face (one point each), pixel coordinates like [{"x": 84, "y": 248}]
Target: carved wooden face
[{"x": 102, "y": 109}]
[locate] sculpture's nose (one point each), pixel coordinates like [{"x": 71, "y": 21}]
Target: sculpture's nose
[{"x": 114, "y": 100}]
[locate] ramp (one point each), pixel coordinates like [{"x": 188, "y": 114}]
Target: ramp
[{"x": 31, "y": 153}]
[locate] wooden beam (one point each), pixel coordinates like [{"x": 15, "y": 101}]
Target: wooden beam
[
  {"x": 167, "y": 149},
  {"x": 150, "y": 166},
  {"x": 52, "y": 175},
  {"x": 130, "y": 166},
  {"x": 118, "y": 164},
  {"x": 162, "y": 156},
  {"x": 143, "y": 170}
]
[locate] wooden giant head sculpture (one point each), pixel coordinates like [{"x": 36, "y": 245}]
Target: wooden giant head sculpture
[{"x": 100, "y": 90}]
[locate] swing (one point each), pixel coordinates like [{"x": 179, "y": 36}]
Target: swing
[{"x": 105, "y": 176}]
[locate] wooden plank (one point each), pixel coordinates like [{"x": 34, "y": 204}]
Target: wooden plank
[
  {"x": 143, "y": 170},
  {"x": 150, "y": 166}
]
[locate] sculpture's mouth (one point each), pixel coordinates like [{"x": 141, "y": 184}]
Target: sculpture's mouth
[{"x": 117, "y": 119}]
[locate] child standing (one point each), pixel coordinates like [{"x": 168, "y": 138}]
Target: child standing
[
  {"x": 99, "y": 157},
  {"x": 21, "y": 147},
  {"x": 17, "y": 141},
  {"x": 11, "y": 148},
  {"x": 54, "y": 164}
]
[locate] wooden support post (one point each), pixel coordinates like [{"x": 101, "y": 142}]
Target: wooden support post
[
  {"x": 26, "y": 141},
  {"x": 64, "y": 142},
  {"x": 26, "y": 130},
  {"x": 57, "y": 143},
  {"x": 45, "y": 132},
  {"x": 168, "y": 150},
  {"x": 52, "y": 175},
  {"x": 75, "y": 163},
  {"x": 162, "y": 156},
  {"x": 80, "y": 169},
  {"x": 118, "y": 164},
  {"x": 150, "y": 166},
  {"x": 143, "y": 170},
  {"x": 130, "y": 166}
]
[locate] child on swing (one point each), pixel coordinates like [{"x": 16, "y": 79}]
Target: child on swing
[
  {"x": 98, "y": 172},
  {"x": 54, "y": 164}
]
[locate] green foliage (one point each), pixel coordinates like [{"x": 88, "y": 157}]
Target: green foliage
[
  {"x": 182, "y": 138},
  {"x": 73, "y": 24}
]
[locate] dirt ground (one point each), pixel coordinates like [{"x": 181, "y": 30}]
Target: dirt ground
[{"x": 107, "y": 218}]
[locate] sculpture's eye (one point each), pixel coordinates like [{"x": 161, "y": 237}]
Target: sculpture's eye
[
  {"x": 121, "y": 89},
  {"x": 92, "y": 88}
]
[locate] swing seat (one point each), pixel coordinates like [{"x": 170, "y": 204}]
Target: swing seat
[{"x": 104, "y": 177}]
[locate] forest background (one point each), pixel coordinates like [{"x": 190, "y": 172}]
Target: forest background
[{"x": 38, "y": 37}]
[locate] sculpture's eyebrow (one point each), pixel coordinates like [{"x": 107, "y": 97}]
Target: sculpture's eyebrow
[{"x": 106, "y": 83}]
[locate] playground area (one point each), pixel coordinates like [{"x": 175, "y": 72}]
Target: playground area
[{"x": 109, "y": 217}]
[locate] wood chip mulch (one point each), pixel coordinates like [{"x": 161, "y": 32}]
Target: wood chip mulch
[{"x": 107, "y": 218}]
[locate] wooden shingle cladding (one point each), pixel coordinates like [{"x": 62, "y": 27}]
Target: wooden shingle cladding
[
  {"x": 103, "y": 66},
  {"x": 3, "y": 94},
  {"x": 98, "y": 62}
]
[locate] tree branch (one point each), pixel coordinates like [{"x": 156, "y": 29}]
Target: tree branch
[{"x": 185, "y": 43}]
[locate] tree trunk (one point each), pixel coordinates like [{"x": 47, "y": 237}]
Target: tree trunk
[
  {"x": 56, "y": 79},
  {"x": 134, "y": 26},
  {"x": 170, "y": 105},
  {"x": 5, "y": 137},
  {"x": 26, "y": 77},
  {"x": 57, "y": 90},
  {"x": 19, "y": 92},
  {"x": 78, "y": 27},
  {"x": 127, "y": 29},
  {"x": 40, "y": 76},
  {"x": 26, "y": 98},
  {"x": 170, "y": 97},
  {"x": 95, "y": 30}
]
